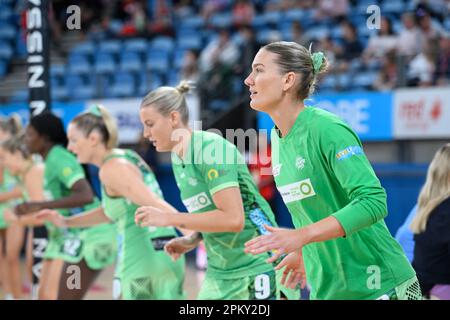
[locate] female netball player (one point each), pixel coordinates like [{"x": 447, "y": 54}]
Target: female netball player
[
  {"x": 217, "y": 188},
  {"x": 11, "y": 234},
  {"x": 335, "y": 199},
  {"x": 144, "y": 270},
  {"x": 65, "y": 188}
]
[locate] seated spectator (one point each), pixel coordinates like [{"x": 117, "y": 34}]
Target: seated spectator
[
  {"x": 350, "y": 47},
  {"x": 410, "y": 37},
  {"x": 217, "y": 62},
  {"x": 430, "y": 30},
  {"x": 210, "y": 7},
  {"x": 384, "y": 41},
  {"x": 248, "y": 49},
  {"x": 422, "y": 67},
  {"x": 189, "y": 69},
  {"x": 336, "y": 9},
  {"x": 221, "y": 50},
  {"x": 298, "y": 34},
  {"x": 243, "y": 12},
  {"x": 442, "y": 74},
  {"x": 387, "y": 77},
  {"x": 431, "y": 227}
]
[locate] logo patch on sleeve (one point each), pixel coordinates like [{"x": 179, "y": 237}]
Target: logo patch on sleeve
[{"x": 349, "y": 152}]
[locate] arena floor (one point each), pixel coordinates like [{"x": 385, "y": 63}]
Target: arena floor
[{"x": 102, "y": 289}]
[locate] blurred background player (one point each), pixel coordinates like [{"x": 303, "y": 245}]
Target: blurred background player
[{"x": 144, "y": 270}]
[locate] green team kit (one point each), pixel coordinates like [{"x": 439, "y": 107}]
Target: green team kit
[
  {"x": 320, "y": 170},
  {"x": 144, "y": 270},
  {"x": 97, "y": 245},
  {"x": 212, "y": 164},
  {"x": 9, "y": 182}
]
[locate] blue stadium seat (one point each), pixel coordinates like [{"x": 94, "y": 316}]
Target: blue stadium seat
[
  {"x": 259, "y": 21},
  {"x": 221, "y": 20},
  {"x": 130, "y": 61},
  {"x": 344, "y": 81},
  {"x": 6, "y": 50},
  {"x": 174, "y": 78},
  {"x": 158, "y": 61},
  {"x": 317, "y": 32},
  {"x": 364, "y": 79},
  {"x": 393, "y": 6},
  {"x": 59, "y": 93},
  {"x": 79, "y": 64},
  {"x": 3, "y": 67},
  {"x": 73, "y": 80},
  {"x": 110, "y": 46},
  {"x": 273, "y": 17},
  {"x": 19, "y": 96},
  {"x": 162, "y": 43},
  {"x": 193, "y": 22},
  {"x": 6, "y": 14},
  {"x": 83, "y": 92},
  {"x": 123, "y": 85},
  {"x": 57, "y": 69},
  {"x": 189, "y": 42},
  {"x": 86, "y": 48},
  {"x": 136, "y": 45},
  {"x": 104, "y": 63},
  {"x": 294, "y": 15},
  {"x": 178, "y": 58},
  {"x": 327, "y": 83}
]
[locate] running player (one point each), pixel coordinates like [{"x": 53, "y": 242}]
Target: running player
[
  {"x": 335, "y": 199},
  {"x": 11, "y": 235},
  {"x": 65, "y": 188},
  {"x": 216, "y": 186},
  {"x": 144, "y": 270}
]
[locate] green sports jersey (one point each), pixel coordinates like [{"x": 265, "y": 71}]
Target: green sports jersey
[
  {"x": 97, "y": 245},
  {"x": 9, "y": 182},
  {"x": 141, "y": 254},
  {"x": 320, "y": 170},
  {"x": 212, "y": 164}
]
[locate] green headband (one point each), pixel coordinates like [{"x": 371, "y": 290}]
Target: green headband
[
  {"x": 317, "y": 58},
  {"x": 95, "y": 110}
]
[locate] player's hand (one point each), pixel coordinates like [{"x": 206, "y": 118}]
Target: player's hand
[
  {"x": 52, "y": 216},
  {"x": 10, "y": 217},
  {"x": 294, "y": 270},
  {"x": 178, "y": 246},
  {"x": 150, "y": 216},
  {"x": 280, "y": 241}
]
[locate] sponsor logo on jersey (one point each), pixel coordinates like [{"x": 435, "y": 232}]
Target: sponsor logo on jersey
[
  {"x": 348, "y": 152},
  {"x": 197, "y": 202},
  {"x": 67, "y": 171},
  {"x": 300, "y": 162},
  {"x": 297, "y": 191},
  {"x": 212, "y": 174},
  {"x": 276, "y": 170}
]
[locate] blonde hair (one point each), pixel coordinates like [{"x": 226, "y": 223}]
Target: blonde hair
[
  {"x": 11, "y": 124},
  {"x": 435, "y": 190},
  {"x": 98, "y": 118},
  {"x": 293, "y": 57},
  {"x": 168, "y": 99},
  {"x": 17, "y": 144}
]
